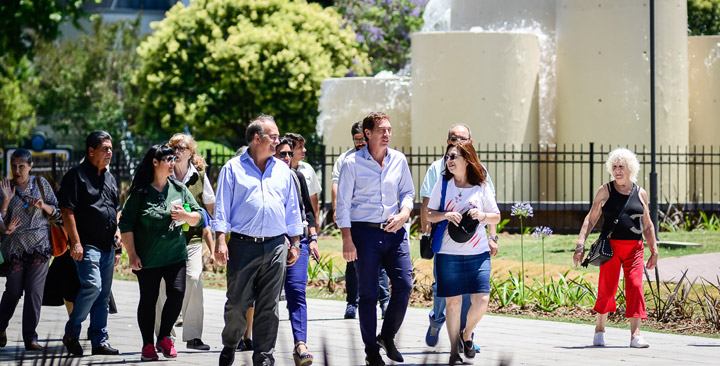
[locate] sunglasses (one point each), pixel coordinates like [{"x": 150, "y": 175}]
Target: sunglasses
[
  {"x": 456, "y": 139},
  {"x": 452, "y": 156},
  {"x": 284, "y": 154},
  {"x": 169, "y": 158}
]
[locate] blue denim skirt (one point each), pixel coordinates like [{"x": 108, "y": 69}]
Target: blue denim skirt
[{"x": 462, "y": 274}]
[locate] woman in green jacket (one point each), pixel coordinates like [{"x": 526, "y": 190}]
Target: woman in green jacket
[{"x": 151, "y": 225}]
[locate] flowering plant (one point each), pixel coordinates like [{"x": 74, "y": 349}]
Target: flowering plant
[
  {"x": 383, "y": 28},
  {"x": 522, "y": 210},
  {"x": 542, "y": 232}
]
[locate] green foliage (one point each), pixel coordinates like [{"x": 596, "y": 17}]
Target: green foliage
[
  {"x": 564, "y": 292},
  {"x": 703, "y": 17},
  {"x": 85, "y": 82},
  {"x": 383, "y": 27},
  {"x": 23, "y": 23},
  {"x": 218, "y": 63},
  {"x": 17, "y": 115}
]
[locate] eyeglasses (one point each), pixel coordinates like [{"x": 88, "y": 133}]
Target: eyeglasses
[
  {"x": 456, "y": 139},
  {"x": 179, "y": 148},
  {"x": 284, "y": 154},
  {"x": 452, "y": 156},
  {"x": 169, "y": 159},
  {"x": 358, "y": 141}
]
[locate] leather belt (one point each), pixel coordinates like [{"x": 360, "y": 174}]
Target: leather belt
[
  {"x": 377, "y": 225},
  {"x": 255, "y": 239}
]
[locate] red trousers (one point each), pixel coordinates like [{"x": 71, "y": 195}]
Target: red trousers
[{"x": 629, "y": 254}]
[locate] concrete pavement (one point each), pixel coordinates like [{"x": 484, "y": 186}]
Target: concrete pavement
[{"x": 518, "y": 341}]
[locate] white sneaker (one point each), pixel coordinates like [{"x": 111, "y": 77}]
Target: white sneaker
[
  {"x": 599, "y": 339},
  {"x": 639, "y": 342}
]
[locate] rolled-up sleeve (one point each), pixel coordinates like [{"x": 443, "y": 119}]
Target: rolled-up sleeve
[
  {"x": 336, "y": 169},
  {"x": 223, "y": 200},
  {"x": 345, "y": 192},
  {"x": 208, "y": 196},
  {"x": 293, "y": 221},
  {"x": 406, "y": 189}
]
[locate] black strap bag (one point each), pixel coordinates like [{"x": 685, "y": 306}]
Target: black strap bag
[
  {"x": 601, "y": 250},
  {"x": 438, "y": 229}
]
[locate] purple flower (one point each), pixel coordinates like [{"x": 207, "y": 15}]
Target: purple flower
[
  {"x": 542, "y": 232},
  {"x": 521, "y": 209}
]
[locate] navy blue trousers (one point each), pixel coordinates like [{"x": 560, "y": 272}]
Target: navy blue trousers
[
  {"x": 351, "y": 285},
  {"x": 377, "y": 248},
  {"x": 295, "y": 283}
]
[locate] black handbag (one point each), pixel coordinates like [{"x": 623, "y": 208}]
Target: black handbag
[
  {"x": 426, "y": 241},
  {"x": 601, "y": 250}
]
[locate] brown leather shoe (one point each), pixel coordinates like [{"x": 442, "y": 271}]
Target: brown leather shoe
[{"x": 33, "y": 346}]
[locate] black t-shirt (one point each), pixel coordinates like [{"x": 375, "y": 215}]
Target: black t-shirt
[
  {"x": 629, "y": 226},
  {"x": 95, "y": 201}
]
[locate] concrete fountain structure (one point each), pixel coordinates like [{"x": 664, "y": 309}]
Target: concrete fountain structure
[{"x": 543, "y": 72}]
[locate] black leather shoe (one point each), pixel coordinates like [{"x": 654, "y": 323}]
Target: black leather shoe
[
  {"x": 33, "y": 346},
  {"x": 3, "y": 339},
  {"x": 455, "y": 359},
  {"x": 227, "y": 356},
  {"x": 198, "y": 344},
  {"x": 373, "y": 359},
  {"x": 389, "y": 346},
  {"x": 468, "y": 347},
  {"x": 105, "y": 349},
  {"x": 73, "y": 345},
  {"x": 245, "y": 345}
]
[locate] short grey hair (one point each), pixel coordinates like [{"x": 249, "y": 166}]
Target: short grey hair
[
  {"x": 626, "y": 156},
  {"x": 256, "y": 127},
  {"x": 460, "y": 125}
]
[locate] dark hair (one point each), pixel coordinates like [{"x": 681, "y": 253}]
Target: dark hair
[
  {"x": 476, "y": 174},
  {"x": 356, "y": 128},
  {"x": 369, "y": 122},
  {"x": 22, "y": 154},
  {"x": 296, "y": 137},
  {"x": 96, "y": 138},
  {"x": 145, "y": 172},
  {"x": 256, "y": 127},
  {"x": 285, "y": 141}
]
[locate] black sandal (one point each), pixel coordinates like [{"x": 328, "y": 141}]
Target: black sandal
[{"x": 302, "y": 359}]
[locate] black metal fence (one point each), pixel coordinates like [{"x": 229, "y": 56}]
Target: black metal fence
[{"x": 559, "y": 181}]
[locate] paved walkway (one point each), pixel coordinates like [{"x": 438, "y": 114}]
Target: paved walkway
[
  {"x": 518, "y": 341},
  {"x": 698, "y": 266}
]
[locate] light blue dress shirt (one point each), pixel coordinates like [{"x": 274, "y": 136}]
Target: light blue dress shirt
[
  {"x": 370, "y": 193},
  {"x": 252, "y": 203},
  {"x": 434, "y": 173}
]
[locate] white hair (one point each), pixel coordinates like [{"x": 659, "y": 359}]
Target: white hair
[{"x": 626, "y": 156}]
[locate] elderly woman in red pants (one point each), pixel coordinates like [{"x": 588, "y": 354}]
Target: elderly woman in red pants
[{"x": 627, "y": 243}]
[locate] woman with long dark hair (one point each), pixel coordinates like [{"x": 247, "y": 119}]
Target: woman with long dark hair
[
  {"x": 463, "y": 260},
  {"x": 27, "y": 250},
  {"x": 151, "y": 226}
]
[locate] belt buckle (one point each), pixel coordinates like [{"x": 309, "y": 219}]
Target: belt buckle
[
  {"x": 259, "y": 239},
  {"x": 383, "y": 225}
]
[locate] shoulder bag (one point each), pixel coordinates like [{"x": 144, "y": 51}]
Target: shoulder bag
[
  {"x": 429, "y": 245},
  {"x": 601, "y": 250},
  {"x": 58, "y": 236}
]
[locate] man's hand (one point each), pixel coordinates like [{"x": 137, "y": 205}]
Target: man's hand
[
  {"x": 76, "y": 252},
  {"x": 221, "y": 252},
  {"x": 118, "y": 256},
  {"x": 349, "y": 251},
  {"x": 293, "y": 255},
  {"x": 396, "y": 222},
  {"x": 135, "y": 262}
]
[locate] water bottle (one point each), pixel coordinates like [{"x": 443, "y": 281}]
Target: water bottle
[{"x": 186, "y": 226}]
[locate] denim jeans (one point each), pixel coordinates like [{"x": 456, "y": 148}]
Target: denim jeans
[
  {"x": 95, "y": 272},
  {"x": 437, "y": 314}
]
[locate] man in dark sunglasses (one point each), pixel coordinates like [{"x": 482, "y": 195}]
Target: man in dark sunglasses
[{"x": 457, "y": 133}]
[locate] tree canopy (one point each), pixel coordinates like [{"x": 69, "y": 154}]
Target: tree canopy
[{"x": 216, "y": 64}]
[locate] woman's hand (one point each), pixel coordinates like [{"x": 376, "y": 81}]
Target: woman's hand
[
  {"x": 135, "y": 262},
  {"x": 475, "y": 214},
  {"x": 493, "y": 247},
  {"x": 652, "y": 261},
  {"x": 179, "y": 214},
  {"x": 37, "y": 202},
  {"x": 14, "y": 223},
  {"x": 314, "y": 249},
  {"x": 578, "y": 255},
  {"x": 8, "y": 191},
  {"x": 454, "y": 217}
]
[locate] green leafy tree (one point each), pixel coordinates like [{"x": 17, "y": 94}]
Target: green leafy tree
[
  {"x": 17, "y": 115},
  {"x": 84, "y": 83},
  {"x": 212, "y": 66},
  {"x": 703, "y": 17},
  {"x": 383, "y": 27}
]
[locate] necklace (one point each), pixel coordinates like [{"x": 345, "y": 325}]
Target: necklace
[{"x": 461, "y": 192}]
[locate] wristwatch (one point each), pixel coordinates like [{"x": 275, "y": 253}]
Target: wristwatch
[
  {"x": 493, "y": 237},
  {"x": 295, "y": 245},
  {"x": 313, "y": 237}
]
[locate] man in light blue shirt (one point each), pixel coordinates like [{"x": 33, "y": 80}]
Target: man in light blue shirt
[
  {"x": 257, "y": 203},
  {"x": 374, "y": 200},
  {"x": 458, "y": 132}
]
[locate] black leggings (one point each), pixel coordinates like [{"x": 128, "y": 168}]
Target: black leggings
[{"x": 149, "y": 282}]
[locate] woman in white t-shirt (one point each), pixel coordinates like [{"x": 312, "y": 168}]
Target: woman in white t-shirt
[{"x": 463, "y": 261}]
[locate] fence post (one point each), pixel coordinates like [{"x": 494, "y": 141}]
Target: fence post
[
  {"x": 53, "y": 170},
  {"x": 209, "y": 157},
  {"x": 592, "y": 172}
]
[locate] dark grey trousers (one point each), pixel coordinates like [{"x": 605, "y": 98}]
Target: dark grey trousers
[
  {"x": 31, "y": 280},
  {"x": 255, "y": 273}
]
